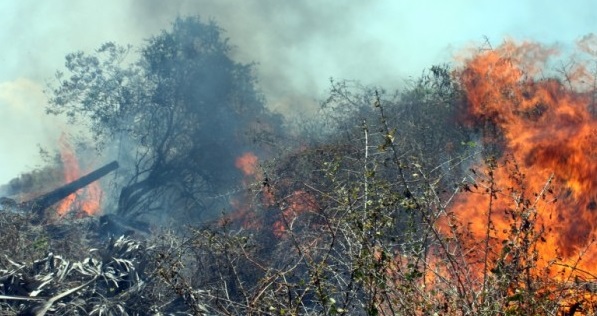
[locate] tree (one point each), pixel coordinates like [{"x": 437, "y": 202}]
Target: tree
[{"x": 185, "y": 109}]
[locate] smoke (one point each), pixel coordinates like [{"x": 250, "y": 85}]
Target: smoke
[
  {"x": 23, "y": 99},
  {"x": 297, "y": 45}
]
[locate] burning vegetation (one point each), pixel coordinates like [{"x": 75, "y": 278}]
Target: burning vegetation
[
  {"x": 469, "y": 192},
  {"x": 86, "y": 199},
  {"x": 548, "y": 138}
]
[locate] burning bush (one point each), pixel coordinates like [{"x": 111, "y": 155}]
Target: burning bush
[
  {"x": 470, "y": 193},
  {"x": 387, "y": 235}
]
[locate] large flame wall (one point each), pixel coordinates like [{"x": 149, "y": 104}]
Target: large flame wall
[{"x": 547, "y": 129}]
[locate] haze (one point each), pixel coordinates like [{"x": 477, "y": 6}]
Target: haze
[{"x": 298, "y": 46}]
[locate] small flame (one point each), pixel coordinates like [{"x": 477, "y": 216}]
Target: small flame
[
  {"x": 247, "y": 163},
  {"x": 296, "y": 204},
  {"x": 290, "y": 207},
  {"x": 85, "y": 200}
]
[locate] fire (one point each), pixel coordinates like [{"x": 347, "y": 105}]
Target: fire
[
  {"x": 299, "y": 202},
  {"x": 290, "y": 207},
  {"x": 85, "y": 200},
  {"x": 247, "y": 163},
  {"x": 546, "y": 131}
]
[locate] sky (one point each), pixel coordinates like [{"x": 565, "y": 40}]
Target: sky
[{"x": 298, "y": 45}]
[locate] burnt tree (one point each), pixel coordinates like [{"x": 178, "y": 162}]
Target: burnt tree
[{"x": 181, "y": 113}]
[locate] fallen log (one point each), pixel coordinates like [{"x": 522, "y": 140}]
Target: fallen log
[{"x": 39, "y": 204}]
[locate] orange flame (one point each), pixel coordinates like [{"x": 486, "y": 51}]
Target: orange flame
[
  {"x": 290, "y": 207},
  {"x": 548, "y": 130},
  {"x": 247, "y": 163},
  {"x": 85, "y": 200},
  {"x": 299, "y": 202}
]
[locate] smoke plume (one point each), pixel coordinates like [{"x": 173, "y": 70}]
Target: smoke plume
[{"x": 298, "y": 45}]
